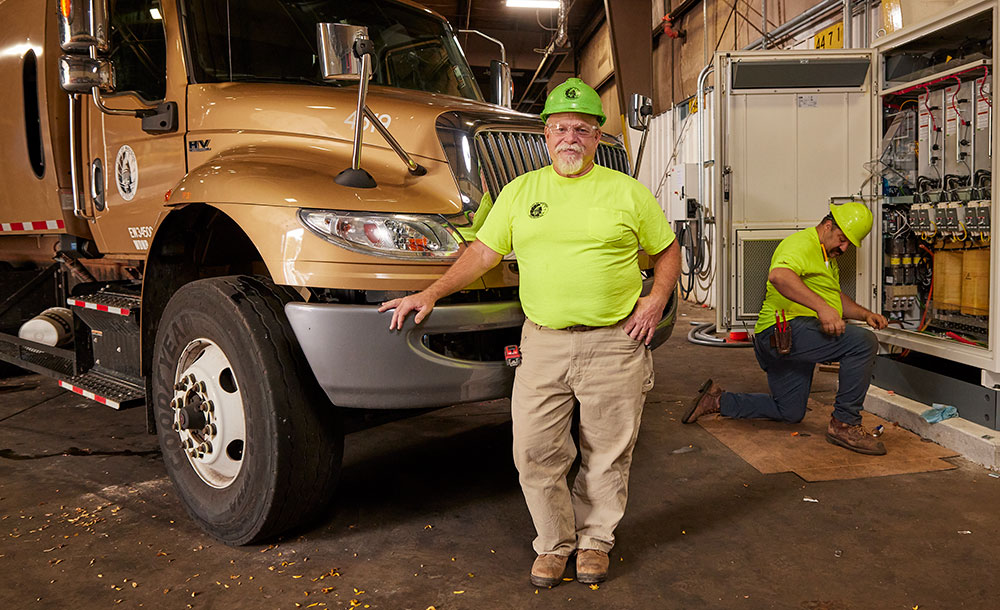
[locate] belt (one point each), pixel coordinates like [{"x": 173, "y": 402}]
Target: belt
[{"x": 581, "y": 327}]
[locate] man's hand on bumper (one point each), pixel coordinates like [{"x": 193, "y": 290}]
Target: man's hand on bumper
[
  {"x": 642, "y": 323},
  {"x": 421, "y": 303}
]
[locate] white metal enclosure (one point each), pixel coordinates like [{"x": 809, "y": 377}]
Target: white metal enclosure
[
  {"x": 908, "y": 127},
  {"x": 795, "y": 132}
]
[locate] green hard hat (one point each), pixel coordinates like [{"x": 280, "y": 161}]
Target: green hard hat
[
  {"x": 854, "y": 219},
  {"x": 574, "y": 95}
]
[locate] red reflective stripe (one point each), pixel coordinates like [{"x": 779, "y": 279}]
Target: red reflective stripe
[
  {"x": 102, "y": 308},
  {"x": 32, "y": 225},
  {"x": 124, "y": 312}
]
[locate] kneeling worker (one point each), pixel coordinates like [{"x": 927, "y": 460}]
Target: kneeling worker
[{"x": 804, "y": 296}]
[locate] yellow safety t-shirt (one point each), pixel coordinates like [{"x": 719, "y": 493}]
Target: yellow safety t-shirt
[
  {"x": 577, "y": 243},
  {"x": 803, "y": 253}
]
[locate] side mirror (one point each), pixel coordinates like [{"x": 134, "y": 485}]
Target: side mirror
[
  {"x": 337, "y": 58},
  {"x": 79, "y": 74},
  {"x": 501, "y": 83},
  {"x": 83, "y": 24},
  {"x": 640, "y": 108}
]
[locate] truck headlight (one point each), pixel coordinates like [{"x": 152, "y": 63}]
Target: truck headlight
[{"x": 401, "y": 236}]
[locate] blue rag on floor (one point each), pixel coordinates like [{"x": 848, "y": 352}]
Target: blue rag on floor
[{"x": 939, "y": 412}]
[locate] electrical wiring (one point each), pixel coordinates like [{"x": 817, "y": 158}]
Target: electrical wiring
[
  {"x": 673, "y": 156},
  {"x": 936, "y": 131},
  {"x": 930, "y": 291},
  {"x": 982, "y": 96},
  {"x": 962, "y": 121},
  {"x": 699, "y": 335}
]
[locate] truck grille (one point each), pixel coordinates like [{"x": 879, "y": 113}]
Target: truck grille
[{"x": 505, "y": 155}]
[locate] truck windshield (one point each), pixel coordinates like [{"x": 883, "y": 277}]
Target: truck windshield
[{"x": 275, "y": 41}]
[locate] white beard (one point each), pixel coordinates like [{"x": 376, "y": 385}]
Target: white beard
[{"x": 570, "y": 166}]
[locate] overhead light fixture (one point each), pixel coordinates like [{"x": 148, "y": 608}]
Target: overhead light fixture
[
  {"x": 532, "y": 3},
  {"x": 155, "y": 13}
]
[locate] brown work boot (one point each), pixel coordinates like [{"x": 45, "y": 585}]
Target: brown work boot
[
  {"x": 706, "y": 403},
  {"x": 855, "y": 438},
  {"x": 591, "y": 566},
  {"x": 547, "y": 571}
]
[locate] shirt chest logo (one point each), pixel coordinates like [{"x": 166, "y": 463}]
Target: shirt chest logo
[{"x": 538, "y": 209}]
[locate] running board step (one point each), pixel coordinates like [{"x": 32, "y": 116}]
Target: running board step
[
  {"x": 105, "y": 389},
  {"x": 110, "y": 302}
]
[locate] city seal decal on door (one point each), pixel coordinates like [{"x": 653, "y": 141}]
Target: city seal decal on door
[{"x": 126, "y": 173}]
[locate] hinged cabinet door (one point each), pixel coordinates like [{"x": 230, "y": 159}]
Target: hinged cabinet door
[{"x": 794, "y": 134}]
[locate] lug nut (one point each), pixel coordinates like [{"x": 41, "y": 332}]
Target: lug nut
[
  {"x": 176, "y": 403},
  {"x": 180, "y": 386},
  {"x": 176, "y": 427},
  {"x": 205, "y": 447},
  {"x": 209, "y": 430},
  {"x": 193, "y": 453},
  {"x": 201, "y": 387},
  {"x": 207, "y": 406}
]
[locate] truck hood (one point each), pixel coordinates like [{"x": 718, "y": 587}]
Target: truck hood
[{"x": 328, "y": 113}]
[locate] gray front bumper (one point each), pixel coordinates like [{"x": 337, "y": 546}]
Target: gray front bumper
[{"x": 359, "y": 362}]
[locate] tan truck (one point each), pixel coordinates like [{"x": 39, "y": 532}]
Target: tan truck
[{"x": 191, "y": 180}]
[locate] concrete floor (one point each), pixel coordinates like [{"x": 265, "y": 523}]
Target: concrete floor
[{"x": 430, "y": 514}]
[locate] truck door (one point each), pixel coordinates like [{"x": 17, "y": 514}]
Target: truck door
[
  {"x": 133, "y": 162},
  {"x": 793, "y": 132}
]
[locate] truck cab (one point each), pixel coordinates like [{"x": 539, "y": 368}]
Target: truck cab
[{"x": 173, "y": 181}]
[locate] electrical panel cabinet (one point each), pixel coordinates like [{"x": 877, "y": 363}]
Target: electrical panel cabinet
[
  {"x": 934, "y": 200},
  {"x": 787, "y": 145}
]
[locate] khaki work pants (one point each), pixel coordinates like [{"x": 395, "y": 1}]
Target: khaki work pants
[{"x": 609, "y": 374}]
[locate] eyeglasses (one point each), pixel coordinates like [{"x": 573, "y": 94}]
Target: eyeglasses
[{"x": 582, "y": 131}]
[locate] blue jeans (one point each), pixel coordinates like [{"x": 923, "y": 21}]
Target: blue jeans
[{"x": 789, "y": 377}]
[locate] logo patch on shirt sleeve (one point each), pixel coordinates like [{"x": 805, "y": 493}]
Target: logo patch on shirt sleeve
[{"x": 538, "y": 209}]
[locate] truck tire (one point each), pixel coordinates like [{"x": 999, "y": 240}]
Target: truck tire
[{"x": 251, "y": 442}]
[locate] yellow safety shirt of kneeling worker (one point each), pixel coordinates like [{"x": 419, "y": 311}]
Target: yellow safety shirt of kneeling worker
[
  {"x": 803, "y": 253},
  {"x": 577, "y": 242}
]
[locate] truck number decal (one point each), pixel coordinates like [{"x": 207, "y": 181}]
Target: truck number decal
[
  {"x": 140, "y": 236},
  {"x": 385, "y": 119}
]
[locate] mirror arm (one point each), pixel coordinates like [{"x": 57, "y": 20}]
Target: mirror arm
[
  {"x": 503, "y": 50},
  {"x": 412, "y": 166},
  {"x": 354, "y": 176},
  {"x": 95, "y": 93}
]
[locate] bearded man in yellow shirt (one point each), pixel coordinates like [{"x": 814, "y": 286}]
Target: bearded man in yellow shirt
[{"x": 577, "y": 228}]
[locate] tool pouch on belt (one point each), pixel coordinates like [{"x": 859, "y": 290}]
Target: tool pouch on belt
[{"x": 781, "y": 340}]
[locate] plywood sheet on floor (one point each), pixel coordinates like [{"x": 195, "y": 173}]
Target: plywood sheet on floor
[{"x": 803, "y": 449}]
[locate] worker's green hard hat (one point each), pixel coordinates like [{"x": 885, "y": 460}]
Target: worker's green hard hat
[
  {"x": 574, "y": 95},
  {"x": 854, "y": 219}
]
